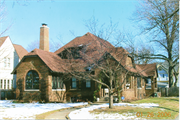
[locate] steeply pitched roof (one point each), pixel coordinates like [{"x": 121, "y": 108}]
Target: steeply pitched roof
[
  {"x": 95, "y": 46},
  {"x": 149, "y": 69},
  {"x": 20, "y": 51},
  {"x": 120, "y": 54},
  {"x": 53, "y": 61},
  {"x": 2, "y": 39}
]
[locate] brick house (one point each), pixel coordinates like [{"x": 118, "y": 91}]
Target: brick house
[{"x": 43, "y": 75}]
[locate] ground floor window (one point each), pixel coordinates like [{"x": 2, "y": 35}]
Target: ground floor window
[
  {"x": 32, "y": 80},
  {"x": 8, "y": 85},
  {"x": 1, "y": 84},
  {"x": 88, "y": 83},
  {"x": 138, "y": 82},
  {"x": 57, "y": 82},
  {"x": 74, "y": 83},
  {"x": 5, "y": 84},
  {"x": 11, "y": 84}
]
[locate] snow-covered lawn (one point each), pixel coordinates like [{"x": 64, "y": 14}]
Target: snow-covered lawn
[
  {"x": 85, "y": 114},
  {"x": 29, "y": 110}
]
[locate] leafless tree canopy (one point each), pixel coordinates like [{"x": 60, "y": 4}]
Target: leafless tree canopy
[{"x": 160, "y": 19}]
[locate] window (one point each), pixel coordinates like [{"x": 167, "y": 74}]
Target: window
[
  {"x": 5, "y": 62},
  {"x": 8, "y": 85},
  {"x": 138, "y": 82},
  {"x": 73, "y": 82},
  {"x": 128, "y": 82},
  {"x": 163, "y": 75},
  {"x": 11, "y": 84},
  {"x": 8, "y": 64},
  {"x": 1, "y": 84},
  {"x": 32, "y": 80},
  {"x": 57, "y": 83},
  {"x": 88, "y": 83},
  {"x": 4, "y": 84}
]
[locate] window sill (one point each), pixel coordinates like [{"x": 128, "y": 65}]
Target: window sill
[
  {"x": 58, "y": 90},
  {"x": 139, "y": 88},
  {"x": 32, "y": 90}
]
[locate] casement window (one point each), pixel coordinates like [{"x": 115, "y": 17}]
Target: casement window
[
  {"x": 11, "y": 84},
  {"x": 57, "y": 82},
  {"x": 5, "y": 62},
  {"x": 88, "y": 83},
  {"x": 32, "y": 80},
  {"x": 4, "y": 84},
  {"x": 8, "y": 85},
  {"x": 8, "y": 62},
  {"x": 74, "y": 85},
  {"x": 1, "y": 84},
  {"x": 128, "y": 82},
  {"x": 138, "y": 82}
]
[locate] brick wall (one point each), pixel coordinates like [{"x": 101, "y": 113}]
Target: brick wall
[{"x": 33, "y": 63}]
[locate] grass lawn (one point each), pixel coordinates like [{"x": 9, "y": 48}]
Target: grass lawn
[{"x": 168, "y": 109}]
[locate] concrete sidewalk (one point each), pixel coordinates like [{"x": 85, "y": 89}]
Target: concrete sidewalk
[
  {"x": 64, "y": 113},
  {"x": 61, "y": 114}
]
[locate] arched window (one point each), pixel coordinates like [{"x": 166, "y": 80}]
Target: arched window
[{"x": 32, "y": 80}]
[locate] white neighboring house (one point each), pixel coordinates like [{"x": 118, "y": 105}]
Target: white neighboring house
[
  {"x": 10, "y": 56},
  {"x": 163, "y": 79}
]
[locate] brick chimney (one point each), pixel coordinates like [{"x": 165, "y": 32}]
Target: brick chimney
[{"x": 44, "y": 38}]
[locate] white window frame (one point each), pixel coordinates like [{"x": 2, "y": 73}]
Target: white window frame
[
  {"x": 5, "y": 65},
  {"x": 8, "y": 62}
]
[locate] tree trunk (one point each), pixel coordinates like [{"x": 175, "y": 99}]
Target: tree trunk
[
  {"x": 110, "y": 99},
  {"x": 110, "y": 92},
  {"x": 119, "y": 96},
  {"x": 176, "y": 79},
  {"x": 170, "y": 76}
]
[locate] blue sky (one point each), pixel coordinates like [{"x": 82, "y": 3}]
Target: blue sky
[{"x": 63, "y": 16}]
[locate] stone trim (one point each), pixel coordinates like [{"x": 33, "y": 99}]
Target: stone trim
[
  {"x": 32, "y": 90},
  {"x": 58, "y": 89}
]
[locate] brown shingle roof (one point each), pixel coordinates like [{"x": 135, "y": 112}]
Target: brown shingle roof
[
  {"x": 120, "y": 54},
  {"x": 95, "y": 46},
  {"x": 20, "y": 51},
  {"x": 53, "y": 61},
  {"x": 2, "y": 39},
  {"x": 149, "y": 69}
]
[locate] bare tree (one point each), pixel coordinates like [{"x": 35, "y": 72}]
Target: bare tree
[
  {"x": 160, "y": 19},
  {"x": 35, "y": 44},
  {"x": 99, "y": 61},
  {"x": 104, "y": 31}
]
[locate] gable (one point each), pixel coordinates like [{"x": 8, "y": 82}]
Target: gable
[
  {"x": 2, "y": 39},
  {"x": 20, "y": 51}
]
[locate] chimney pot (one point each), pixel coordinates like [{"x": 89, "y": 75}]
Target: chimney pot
[{"x": 44, "y": 24}]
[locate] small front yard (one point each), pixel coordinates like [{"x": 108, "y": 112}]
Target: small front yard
[
  {"x": 10, "y": 110},
  {"x": 150, "y": 108}
]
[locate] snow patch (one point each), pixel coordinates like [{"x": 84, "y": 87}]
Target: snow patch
[
  {"x": 85, "y": 114},
  {"x": 29, "y": 110}
]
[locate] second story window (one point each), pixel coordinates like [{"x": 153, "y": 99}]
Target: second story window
[
  {"x": 74, "y": 83},
  {"x": 5, "y": 62},
  {"x": 8, "y": 62}
]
